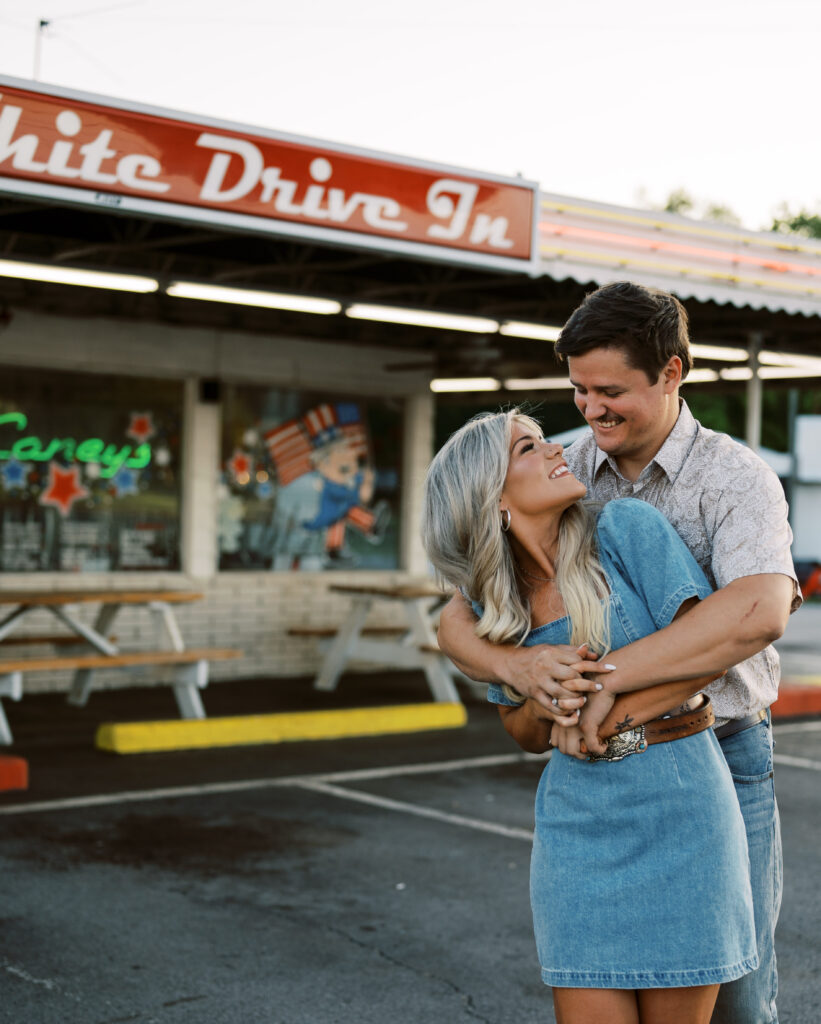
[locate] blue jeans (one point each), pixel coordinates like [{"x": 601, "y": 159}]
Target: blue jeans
[{"x": 751, "y": 999}]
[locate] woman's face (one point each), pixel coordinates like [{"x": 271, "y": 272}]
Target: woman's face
[{"x": 538, "y": 479}]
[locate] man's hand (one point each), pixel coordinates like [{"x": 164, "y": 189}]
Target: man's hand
[{"x": 552, "y": 675}]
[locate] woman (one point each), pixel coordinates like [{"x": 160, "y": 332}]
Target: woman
[{"x": 639, "y": 882}]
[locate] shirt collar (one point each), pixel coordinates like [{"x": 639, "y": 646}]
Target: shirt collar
[{"x": 670, "y": 457}]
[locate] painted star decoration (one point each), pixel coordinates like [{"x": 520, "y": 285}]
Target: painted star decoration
[
  {"x": 14, "y": 474},
  {"x": 141, "y": 426},
  {"x": 125, "y": 482},
  {"x": 63, "y": 489},
  {"x": 240, "y": 466}
]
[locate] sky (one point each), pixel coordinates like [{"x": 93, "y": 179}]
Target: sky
[{"x": 617, "y": 102}]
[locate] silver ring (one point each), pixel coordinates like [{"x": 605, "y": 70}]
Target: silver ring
[{"x": 555, "y": 702}]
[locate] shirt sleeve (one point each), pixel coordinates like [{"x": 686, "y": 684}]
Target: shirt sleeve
[
  {"x": 496, "y": 695},
  {"x": 751, "y": 531},
  {"x": 638, "y": 544}
]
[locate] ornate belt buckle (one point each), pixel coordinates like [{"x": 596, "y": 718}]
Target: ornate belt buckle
[{"x": 623, "y": 745}]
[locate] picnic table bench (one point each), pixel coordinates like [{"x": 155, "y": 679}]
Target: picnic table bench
[
  {"x": 410, "y": 645},
  {"x": 99, "y": 650}
]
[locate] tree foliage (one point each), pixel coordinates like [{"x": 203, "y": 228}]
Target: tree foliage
[
  {"x": 680, "y": 201},
  {"x": 801, "y": 223}
]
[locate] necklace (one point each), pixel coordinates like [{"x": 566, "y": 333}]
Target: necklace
[{"x": 533, "y": 576}]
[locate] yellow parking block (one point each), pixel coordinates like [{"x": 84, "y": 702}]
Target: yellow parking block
[{"x": 243, "y": 730}]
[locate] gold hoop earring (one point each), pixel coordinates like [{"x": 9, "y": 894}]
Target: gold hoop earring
[{"x": 505, "y": 522}]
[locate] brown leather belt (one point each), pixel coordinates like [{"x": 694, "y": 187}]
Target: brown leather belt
[{"x": 660, "y": 730}]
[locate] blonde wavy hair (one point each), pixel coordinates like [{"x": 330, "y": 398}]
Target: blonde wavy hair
[{"x": 463, "y": 538}]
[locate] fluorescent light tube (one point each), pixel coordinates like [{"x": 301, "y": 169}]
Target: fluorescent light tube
[
  {"x": 787, "y": 372},
  {"x": 465, "y": 384},
  {"x": 72, "y": 275},
  {"x": 536, "y": 383},
  {"x": 422, "y": 318},
  {"x": 246, "y": 297},
  {"x": 788, "y": 359},
  {"x": 539, "y": 332},
  {"x": 721, "y": 352},
  {"x": 772, "y": 373}
]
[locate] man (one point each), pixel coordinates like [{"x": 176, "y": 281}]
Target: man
[{"x": 627, "y": 350}]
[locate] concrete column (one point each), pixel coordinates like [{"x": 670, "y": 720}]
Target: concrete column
[
  {"x": 754, "y": 393},
  {"x": 202, "y": 423},
  {"x": 417, "y": 451}
]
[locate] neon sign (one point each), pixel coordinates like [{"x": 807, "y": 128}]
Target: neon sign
[{"x": 111, "y": 457}]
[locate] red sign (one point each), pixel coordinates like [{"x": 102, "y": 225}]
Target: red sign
[{"x": 139, "y": 159}]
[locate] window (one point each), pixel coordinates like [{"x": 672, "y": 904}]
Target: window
[
  {"x": 89, "y": 472},
  {"x": 308, "y": 481}
]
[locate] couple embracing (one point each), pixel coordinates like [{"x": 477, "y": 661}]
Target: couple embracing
[{"x": 621, "y": 598}]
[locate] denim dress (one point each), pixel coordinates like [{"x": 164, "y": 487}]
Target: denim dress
[{"x": 639, "y": 872}]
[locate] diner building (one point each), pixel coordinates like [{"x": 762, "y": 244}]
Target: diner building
[{"x": 222, "y": 349}]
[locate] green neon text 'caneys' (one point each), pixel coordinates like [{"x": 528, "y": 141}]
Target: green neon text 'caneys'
[{"x": 110, "y": 457}]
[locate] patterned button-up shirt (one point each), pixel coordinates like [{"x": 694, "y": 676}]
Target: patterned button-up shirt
[{"x": 729, "y": 508}]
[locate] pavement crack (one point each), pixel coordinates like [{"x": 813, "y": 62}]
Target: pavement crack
[
  {"x": 184, "y": 999},
  {"x": 466, "y": 998}
]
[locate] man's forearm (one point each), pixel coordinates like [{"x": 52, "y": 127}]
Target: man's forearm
[
  {"x": 724, "y": 629},
  {"x": 642, "y": 706},
  {"x": 471, "y": 654}
]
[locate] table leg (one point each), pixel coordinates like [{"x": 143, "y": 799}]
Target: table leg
[
  {"x": 8, "y": 623},
  {"x": 93, "y": 634},
  {"x": 11, "y": 685},
  {"x": 439, "y": 678},
  {"x": 166, "y": 622},
  {"x": 96, "y": 636},
  {"x": 336, "y": 659},
  {"x": 190, "y": 679}
]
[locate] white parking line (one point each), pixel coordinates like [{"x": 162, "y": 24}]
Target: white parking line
[
  {"x": 797, "y": 727},
  {"x": 797, "y": 762},
  {"x": 354, "y": 775},
  {"x": 248, "y": 785},
  {"x": 417, "y": 809}
]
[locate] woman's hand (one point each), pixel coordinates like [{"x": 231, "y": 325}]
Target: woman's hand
[
  {"x": 569, "y": 741},
  {"x": 593, "y": 714},
  {"x": 552, "y": 675}
]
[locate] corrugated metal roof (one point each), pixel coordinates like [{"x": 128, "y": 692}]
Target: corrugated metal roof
[{"x": 598, "y": 243}]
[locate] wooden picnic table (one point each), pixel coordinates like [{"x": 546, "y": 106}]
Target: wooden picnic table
[
  {"x": 414, "y": 647},
  {"x": 98, "y": 650}
]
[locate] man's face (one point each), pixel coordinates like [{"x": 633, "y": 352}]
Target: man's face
[{"x": 630, "y": 416}]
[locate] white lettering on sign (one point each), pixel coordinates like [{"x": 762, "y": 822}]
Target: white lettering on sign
[
  {"x": 113, "y": 154},
  {"x": 441, "y": 205},
  {"x": 448, "y": 200},
  {"x": 440, "y": 202},
  {"x": 491, "y": 230},
  {"x": 137, "y": 171},
  {"x": 318, "y": 203}
]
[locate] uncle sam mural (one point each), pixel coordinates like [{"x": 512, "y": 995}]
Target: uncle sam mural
[{"x": 331, "y": 442}]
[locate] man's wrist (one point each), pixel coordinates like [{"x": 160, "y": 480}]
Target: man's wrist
[{"x": 504, "y": 668}]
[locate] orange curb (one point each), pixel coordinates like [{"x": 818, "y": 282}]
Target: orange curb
[
  {"x": 14, "y": 773},
  {"x": 797, "y": 699}
]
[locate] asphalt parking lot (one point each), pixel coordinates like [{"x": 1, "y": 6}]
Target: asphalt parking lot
[{"x": 369, "y": 880}]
